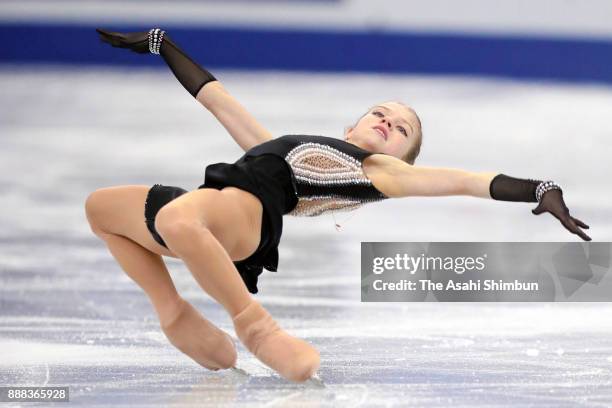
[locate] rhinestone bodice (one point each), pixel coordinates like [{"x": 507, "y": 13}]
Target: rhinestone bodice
[{"x": 327, "y": 173}]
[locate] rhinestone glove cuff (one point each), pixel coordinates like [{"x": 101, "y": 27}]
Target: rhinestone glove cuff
[
  {"x": 156, "y": 36},
  {"x": 544, "y": 187}
]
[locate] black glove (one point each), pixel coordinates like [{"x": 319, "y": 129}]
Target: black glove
[
  {"x": 507, "y": 188},
  {"x": 192, "y": 76},
  {"x": 552, "y": 202}
]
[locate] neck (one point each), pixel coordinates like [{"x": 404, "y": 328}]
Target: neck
[{"x": 357, "y": 144}]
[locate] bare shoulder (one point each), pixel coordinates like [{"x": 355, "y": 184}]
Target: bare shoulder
[
  {"x": 382, "y": 170},
  {"x": 396, "y": 178}
]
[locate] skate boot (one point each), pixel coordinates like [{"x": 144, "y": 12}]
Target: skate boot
[
  {"x": 292, "y": 358},
  {"x": 201, "y": 340}
]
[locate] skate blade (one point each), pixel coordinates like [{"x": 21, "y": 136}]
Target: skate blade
[
  {"x": 239, "y": 371},
  {"x": 315, "y": 381}
]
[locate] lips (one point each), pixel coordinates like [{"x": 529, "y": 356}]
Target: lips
[{"x": 382, "y": 130}]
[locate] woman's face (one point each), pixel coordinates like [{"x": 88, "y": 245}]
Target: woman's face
[{"x": 388, "y": 128}]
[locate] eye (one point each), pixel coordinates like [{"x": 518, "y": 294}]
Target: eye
[
  {"x": 401, "y": 129},
  {"x": 377, "y": 113}
]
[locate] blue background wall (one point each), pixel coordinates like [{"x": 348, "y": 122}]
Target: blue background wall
[{"x": 293, "y": 37}]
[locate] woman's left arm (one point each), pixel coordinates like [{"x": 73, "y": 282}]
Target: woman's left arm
[{"x": 396, "y": 178}]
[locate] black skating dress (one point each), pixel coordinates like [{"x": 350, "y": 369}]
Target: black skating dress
[{"x": 297, "y": 175}]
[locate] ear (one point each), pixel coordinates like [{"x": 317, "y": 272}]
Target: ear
[{"x": 348, "y": 131}]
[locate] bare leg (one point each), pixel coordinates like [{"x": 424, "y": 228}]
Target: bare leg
[
  {"x": 181, "y": 322},
  {"x": 211, "y": 267},
  {"x": 208, "y": 229},
  {"x": 149, "y": 271},
  {"x": 198, "y": 244}
]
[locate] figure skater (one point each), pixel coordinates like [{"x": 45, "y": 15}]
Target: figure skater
[{"x": 228, "y": 229}]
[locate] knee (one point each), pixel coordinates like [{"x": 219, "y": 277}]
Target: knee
[
  {"x": 179, "y": 230},
  {"x": 93, "y": 210}
]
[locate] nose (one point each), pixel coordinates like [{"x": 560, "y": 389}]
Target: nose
[{"x": 388, "y": 122}]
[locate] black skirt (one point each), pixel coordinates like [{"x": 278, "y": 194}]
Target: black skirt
[{"x": 269, "y": 178}]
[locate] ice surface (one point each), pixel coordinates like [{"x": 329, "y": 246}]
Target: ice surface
[{"x": 69, "y": 315}]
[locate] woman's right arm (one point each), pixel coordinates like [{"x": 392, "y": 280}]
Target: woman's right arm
[
  {"x": 200, "y": 83},
  {"x": 239, "y": 122}
]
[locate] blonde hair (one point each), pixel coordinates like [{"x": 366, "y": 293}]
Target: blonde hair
[{"x": 414, "y": 151}]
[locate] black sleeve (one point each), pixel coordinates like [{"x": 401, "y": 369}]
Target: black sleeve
[
  {"x": 192, "y": 76},
  {"x": 506, "y": 188}
]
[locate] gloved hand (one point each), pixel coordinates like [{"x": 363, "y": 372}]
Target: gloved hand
[
  {"x": 191, "y": 75},
  {"x": 552, "y": 202},
  {"x": 137, "y": 42}
]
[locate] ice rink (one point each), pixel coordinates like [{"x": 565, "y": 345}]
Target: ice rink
[{"x": 69, "y": 316}]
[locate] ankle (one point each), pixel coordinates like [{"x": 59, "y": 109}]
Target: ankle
[
  {"x": 237, "y": 308},
  {"x": 253, "y": 324},
  {"x": 169, "y": 311},
  {"x": 292, "y": 358}
]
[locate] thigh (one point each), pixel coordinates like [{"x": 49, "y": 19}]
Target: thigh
[
  {"x": 120, "y": 210},
  {"x": 233, "y": 216}
]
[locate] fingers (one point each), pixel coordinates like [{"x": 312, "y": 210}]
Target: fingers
[
  {"x": 580, "y": 223},
  {"x": 107, "y": 33},
  {"x": 568, "y": 222},
  {"x": 105, "y": 40},
  {"x": 113, "y": 38},
  {"x": 583, "y": 235},
  {"x": 104, "y": 36},
  {"x": 578, "y": 231}
]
